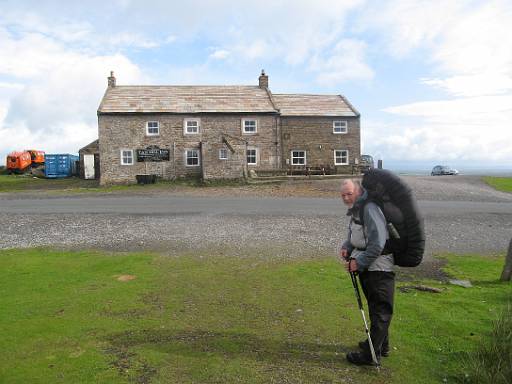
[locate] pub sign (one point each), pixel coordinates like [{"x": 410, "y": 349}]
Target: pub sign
[{"x": 153, "y": 153}]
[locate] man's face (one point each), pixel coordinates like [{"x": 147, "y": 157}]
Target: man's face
[{"x": 349, "y": 194}]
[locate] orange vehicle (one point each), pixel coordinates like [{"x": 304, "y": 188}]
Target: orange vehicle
[
  {"x": 18, "y": 162},
  {"x": 36, "y": 156}
]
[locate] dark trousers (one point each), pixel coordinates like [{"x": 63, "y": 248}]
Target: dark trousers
[{"x": 379, "y": 290}]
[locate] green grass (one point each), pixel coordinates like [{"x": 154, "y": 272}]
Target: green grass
[
  {"x": 491, "y": 363},
  {"x": 24, "y": 183},
  {"x": 500, "y": 183},
  {"x": 27, "y": 183},
  {"x": 203, "y": 318}
]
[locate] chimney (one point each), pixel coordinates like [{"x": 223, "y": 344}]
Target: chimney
[
  {"x": 263, "y": 80},
  {"x": 111, "y": 80}
]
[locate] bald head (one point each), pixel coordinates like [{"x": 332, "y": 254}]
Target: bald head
[{"x": 350, "y": 191}]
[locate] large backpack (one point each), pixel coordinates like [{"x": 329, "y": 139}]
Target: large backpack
[{"x": 405, "y": 223}]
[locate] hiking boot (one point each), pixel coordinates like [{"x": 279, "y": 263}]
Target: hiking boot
[
  {"x": 365, "y": 347},
  {"x": 360, "y": 358}
]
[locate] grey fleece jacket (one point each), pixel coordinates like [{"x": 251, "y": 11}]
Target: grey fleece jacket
[{"x": 365, "y": 243}]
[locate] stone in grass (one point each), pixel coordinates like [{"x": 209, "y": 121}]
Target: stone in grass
[
  {"x": 126, "y": 277},
  {"x": 462, "y": 283}
]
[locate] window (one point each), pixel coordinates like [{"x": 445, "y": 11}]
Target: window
[
  {"x": 249, "y": 126},
  {"x": 223, "y": 154},
  {"x": 339, "y": 126},
  {"x": 252, "y": 156},
  {"x": 298, "y": 157},
  {"x": 340, "y": 157},
  {"x": 152, "y": 128},
  {"x": 126, "y": 157},
  {"x": 192, "y": 157},
  {"x": 191, "y": 126}
]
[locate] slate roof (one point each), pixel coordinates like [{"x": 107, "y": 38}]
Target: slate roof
[
  {"x": 186, "y": 99},
  {"x": 313, "y": 105},
  {"x": 219, "y": 99},
  {"x": 91, "y": 146}
]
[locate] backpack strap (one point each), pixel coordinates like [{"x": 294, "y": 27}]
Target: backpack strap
[{"x": 386, "y": 250}]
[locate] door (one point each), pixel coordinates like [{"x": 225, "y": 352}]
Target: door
[
  {"x": 89, "y": 167},
  {"x": 97, "y": 166}
]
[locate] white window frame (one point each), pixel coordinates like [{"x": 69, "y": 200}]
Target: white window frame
[
  {"x": 292, "y": 157},
  {"x": 157, "y": 127},
  {"x": 185, "y": 126},
  {"x": 256, "y": 155},
  {"x": 335, "y": 157},
  {"x": 123, "y": 157},
  {"x": 225, "y": 151},
  {"x": 198, "y": 157},
  {"x": 343, "y": 126},
  {"x": 244, "y": 132}
]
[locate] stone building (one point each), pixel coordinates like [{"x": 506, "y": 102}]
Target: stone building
[{"x": 221, "y": 132}]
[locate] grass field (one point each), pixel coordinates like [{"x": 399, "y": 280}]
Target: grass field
[
  {"x": 95, "y": 317},
  {"x": 500, "y": 183},
  {"x": 14, "y": 183},
  {"x": 18, "y": 183}
]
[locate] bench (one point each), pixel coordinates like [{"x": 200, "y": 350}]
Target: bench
[{"x": 310, "y": 170}]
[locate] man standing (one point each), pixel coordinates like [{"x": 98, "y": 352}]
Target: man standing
[{"x": 364, "y": 252}]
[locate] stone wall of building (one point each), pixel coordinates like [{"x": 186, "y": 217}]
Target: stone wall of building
[
  {"x": 128, "y": 132},
  {"x": 315, "y": 136},
  {"x": 233, "y": 167}
]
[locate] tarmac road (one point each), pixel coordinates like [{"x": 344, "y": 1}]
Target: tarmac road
[
  {"x": 469, "y": 218},
  {"x": 179, "y": 205}
]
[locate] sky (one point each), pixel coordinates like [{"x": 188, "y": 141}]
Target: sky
[{"x": 431, "y": 79}]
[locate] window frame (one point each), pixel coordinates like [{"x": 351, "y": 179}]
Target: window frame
[
  {"x": 298, "y": 157},
  {"x": 187, "y": 150},
  {"x": 255, "y": 149},
  {"x": 185, "y": 126},
  {"x": 121, "y": 152},
  {"x": 221, "y": 150},
  {"x": 244, "y": 132},
  {"x": 347, "y": 155},
  {"x": 343, "y": 132},
  {"x": 157, "y": 127}
]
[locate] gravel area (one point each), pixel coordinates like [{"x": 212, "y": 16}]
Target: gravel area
[
  {"x": 455, "y": 188},
  {"x": 269, "y": 235}
]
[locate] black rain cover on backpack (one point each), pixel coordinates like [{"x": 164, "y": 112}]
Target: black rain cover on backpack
[{"x": 399, "y": 206}]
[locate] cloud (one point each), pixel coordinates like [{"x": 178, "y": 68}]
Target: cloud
[
  {"x": 6, "y": 85},
  {"x": 346, "y": 61},
  {"x": 132, "y": 40},
  {"x": 170, "y": 39},
  {"x": 463, "y": 110},
  {"x": 82, "y": 34},
  {"x": 476, "y": 129},
  {"x": 284, "y": 31},
  {"x": 52, "y": 99},
  {"x": 292, "y": 33},
  {"x": 219, "y": 54},
  {"x": 464, "y": 41},
  {"x": 487, "y": 83},
  {"x": 404, "y": 25},
  {"x": 469, "y": 59}
]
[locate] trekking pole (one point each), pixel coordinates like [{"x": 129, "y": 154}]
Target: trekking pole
[{"x": 353, "y": 276}]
